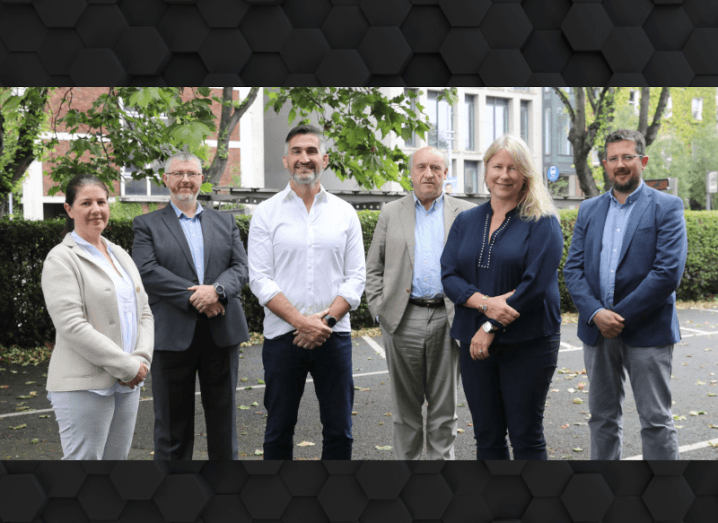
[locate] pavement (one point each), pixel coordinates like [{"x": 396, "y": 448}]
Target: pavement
[{"x": 28, "y": 429}]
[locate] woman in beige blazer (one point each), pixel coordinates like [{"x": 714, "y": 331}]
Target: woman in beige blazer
[{"x": 105, "y": 330}]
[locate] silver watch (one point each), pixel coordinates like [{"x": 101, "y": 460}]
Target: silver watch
[{"x": 488, "y": 328}]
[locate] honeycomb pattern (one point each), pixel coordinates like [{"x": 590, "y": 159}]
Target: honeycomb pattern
[
  {"x": 371, "y": 491},
  {"x": 358, "y": 42}
]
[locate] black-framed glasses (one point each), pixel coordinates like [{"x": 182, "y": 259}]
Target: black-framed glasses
[
  {"x": 626, "y": 158},
  {"x": 179, "y": 175}
]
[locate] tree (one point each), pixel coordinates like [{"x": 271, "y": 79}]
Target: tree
[
  {"x": 141, "y": 127},
  {"x": 601, "y": 110},
  {"x": 22, "y": 116},
  {"x": 352, "y": 117}
]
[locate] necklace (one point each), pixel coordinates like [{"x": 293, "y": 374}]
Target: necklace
[{"x": 491, "y": 243}]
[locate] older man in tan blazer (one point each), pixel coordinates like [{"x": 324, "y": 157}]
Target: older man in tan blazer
[{"x": 403, "y": 288}]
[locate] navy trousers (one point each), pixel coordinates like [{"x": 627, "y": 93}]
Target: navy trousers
[
  {"x": 286, "y": 367},
  {"x": 507, "y": 392}
]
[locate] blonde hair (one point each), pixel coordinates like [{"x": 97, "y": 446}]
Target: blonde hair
[{"x": 534, "y": 199}]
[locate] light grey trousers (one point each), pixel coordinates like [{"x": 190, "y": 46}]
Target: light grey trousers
[
  {"x": 649, "y": 369},
  {"x": 423, "y": 363},
  {"x": 95, "y": 427}
]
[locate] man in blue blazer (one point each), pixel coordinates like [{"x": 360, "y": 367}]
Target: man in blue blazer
[
  {"x": 193, "y": 266},
  {"x": 624, "y": 265}
]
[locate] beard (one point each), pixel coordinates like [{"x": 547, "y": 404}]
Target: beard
[
  {"x": 306, "y": 179},
  {"x": 185, "y": 197},
  {"x": 627, "y": 187}
]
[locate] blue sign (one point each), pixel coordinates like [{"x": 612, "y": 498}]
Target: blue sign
[{"x": 552, "y": 173}]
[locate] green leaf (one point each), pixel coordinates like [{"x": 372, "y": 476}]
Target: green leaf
[
  {"x": 261, "y": 382},
  {"x": 385, "y": 447},
  {"x": 243, "y": 407}
]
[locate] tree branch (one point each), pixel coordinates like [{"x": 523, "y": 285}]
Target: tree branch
[{"x": 652, "y": 130}]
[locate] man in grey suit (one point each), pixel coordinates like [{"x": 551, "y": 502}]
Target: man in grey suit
[
  {"x": 193, "y": 266},
  {"x": 404, "y": 292}
]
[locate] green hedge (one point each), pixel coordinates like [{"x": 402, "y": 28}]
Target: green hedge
[{"x": 25, "y": 244}]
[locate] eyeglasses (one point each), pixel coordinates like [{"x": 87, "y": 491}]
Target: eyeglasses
[
  {"x": 626, "y": 158},
  {"x": 182, "y": 175}
]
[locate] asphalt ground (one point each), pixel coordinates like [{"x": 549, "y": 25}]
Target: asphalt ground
[{"x": 28, "y": 429}]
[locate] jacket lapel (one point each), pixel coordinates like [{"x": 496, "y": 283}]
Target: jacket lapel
[
  {"x": 207, "y": 221},
  {"x": 636, "y": 214},
  {"x": 594, "y": 239},
  {"x": 451, "y": 211},
  {"x": 172, "y": 223},
  {"x": 408, "y": 224}
]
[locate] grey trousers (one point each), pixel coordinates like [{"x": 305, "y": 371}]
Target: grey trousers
[
  {"x": 423, "y": 363},
  {"x": 649, "y": 369},
  {"x": 94, "y": 427}
]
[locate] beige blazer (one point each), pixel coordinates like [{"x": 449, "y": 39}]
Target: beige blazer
[
  {"x": 80, "y": 298},
  {"x": 390, "y": 262}
]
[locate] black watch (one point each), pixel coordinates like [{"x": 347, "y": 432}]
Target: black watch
[
  {"x": 219, "y": 289},
  {"x": 331, "y": 320}
]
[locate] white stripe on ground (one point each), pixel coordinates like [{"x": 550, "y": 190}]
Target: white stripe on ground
[
  {"x": 696, "y": 330},
  {"x": 374, "y": 345},
  {"x": 569, "y": 348},
  {"x": 684, "y": 448}
]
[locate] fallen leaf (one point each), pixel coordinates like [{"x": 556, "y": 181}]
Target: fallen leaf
[
  {"x": 678, "y": 426},
  {"x": 469, "y": 424},
  {"x": 369, "y": 358},
  {"x": 555, "y": 390},
  {"x": 24, "y": 397},
  {"x": 460, "y": 431},
  {"x": 19, "y": 426},
  {"x": 577, "y": 449},
  {"x": 247, "y": 388},
  {"x": 713, "y": 426},
  {"x": 571, "y": 390},
  {"x": 34, "y": 441},
  {"x": 699, "y": 382},
  {"x": 701, "y": 412},
  {"x": 693, "y": 413},
  {"x": 385, "y": 447},
  {"x": 33, "y": 393},
  {"x": 261, "y": 382},
  {"x": 4, "y": 386},
  {"x": 678, "y": 417},
  {"x": 460, "y": 405},
  {"x": 580, "y": 423},
  {"x": 381, "y": 423},
  {"x": 581, "y": 385},
  {"x": 714, "y": 445},
  {"x": 243, "y": 379},
  {"x": 44, "y": 416},
  {"x": 259, "y": 452},
  {"x": 29, "y": 382},
  {"x": 254, "y": 404},
  {"x": 712, "y": 394},
  {"x": 684, "y": 364},
  {"x": 387, "y": 414},
  {"x": 363, "y": 390},
  {"x": 577, "y": 401},
  {"x": 564, "y": 426},
  {"x": 243, "y": 407},
  {"x": 306, "y": 444},
  {"x": 243, "y": 434},
  {"x": 354, "y": 413},
  {"x": 357, "y": 387}
]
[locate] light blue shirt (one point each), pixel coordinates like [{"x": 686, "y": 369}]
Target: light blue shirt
[
  {"x": 126, "y": 302},
  {"x": 613, "y": 233},
  {"x": 192, "y": 228},
  {"x": 428, "y": 245}
]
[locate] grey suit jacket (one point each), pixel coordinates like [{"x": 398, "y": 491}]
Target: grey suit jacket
[
  {"x": 81, "y": 300},
  {"x": 164, "y": 260},
  {"x": 390, "y": 262}
]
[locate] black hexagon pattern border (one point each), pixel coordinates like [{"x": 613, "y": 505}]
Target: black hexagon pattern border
[{"x": 358, "y": 42}]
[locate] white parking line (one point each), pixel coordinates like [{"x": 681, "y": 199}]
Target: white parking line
[
  {"x": 684, "y": 448},
  {"x": 374, "y": 345},
  {"x": 569, "y": 348},
  {"x": 696, "y": 330}
]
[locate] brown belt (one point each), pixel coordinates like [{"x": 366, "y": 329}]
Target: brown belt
[{"x": 430, "y": 303}]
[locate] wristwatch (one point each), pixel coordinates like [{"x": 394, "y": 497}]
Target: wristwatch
[
  {"x": 331, "y": 320},
  {"x": 218, "y": 288},
  {"x": 488, "y": 328}
]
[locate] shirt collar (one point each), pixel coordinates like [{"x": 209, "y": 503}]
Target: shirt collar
[
  {"x": 79, "y": 240},
  {"x": 631, "y": 198},
  {"x": 288, "y": 193},
  {"x": 180, "y": 212},
  {"x": 434, "y": 205}
]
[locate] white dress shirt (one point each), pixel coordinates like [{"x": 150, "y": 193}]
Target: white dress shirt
[{"x": 311, "y": 257}]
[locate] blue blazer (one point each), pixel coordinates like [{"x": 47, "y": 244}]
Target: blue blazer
[
  {"x": 650, "y": 267},
  {"x": 163, "y": 257}
]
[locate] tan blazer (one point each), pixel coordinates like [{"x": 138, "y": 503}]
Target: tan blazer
[
  {"x": 80, "y": 298},
  {"x": 390, "y": 262}
]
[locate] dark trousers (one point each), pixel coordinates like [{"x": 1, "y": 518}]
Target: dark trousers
[
  {"x": 173, "y": 388},
  {"x": 507, "y": 392},
  {"x": 285, "y": 372}
]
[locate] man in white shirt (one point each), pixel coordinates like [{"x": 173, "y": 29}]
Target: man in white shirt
[{"x": 306, "y": 267}]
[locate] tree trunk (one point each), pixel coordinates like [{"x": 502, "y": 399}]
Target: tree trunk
[{"x": 228, "y": 121}]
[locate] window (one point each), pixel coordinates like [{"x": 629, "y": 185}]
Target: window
[
  {"x": 525, "y": 121},
  {"x": 411, "y": 142},
  {"x": 547, "y": 131},
  {"x": 143, "y": 187},
  {"x": 697, "y": 108},
  {"x": 471, "y": 177},
  {"x": 563, "y": 125},
  {"x": 441, "y": 120},
  {"x": 469, "y": 106},
  {"x": 497, "y": 119},
  {"x": 633, "y": 101}
]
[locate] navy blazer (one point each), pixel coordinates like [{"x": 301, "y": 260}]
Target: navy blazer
[
  {"x": 163, "y": 257},
  {"x": 650, "y": 267}
]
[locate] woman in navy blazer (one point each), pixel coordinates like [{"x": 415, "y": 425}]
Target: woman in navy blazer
[{"x": 500, "y": 268}]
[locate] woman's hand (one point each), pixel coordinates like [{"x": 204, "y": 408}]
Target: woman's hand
[
  {"x": 137, "y": 379},
  {"x": 480, "y": 344},
  {"x": 497, "y": 309}
]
